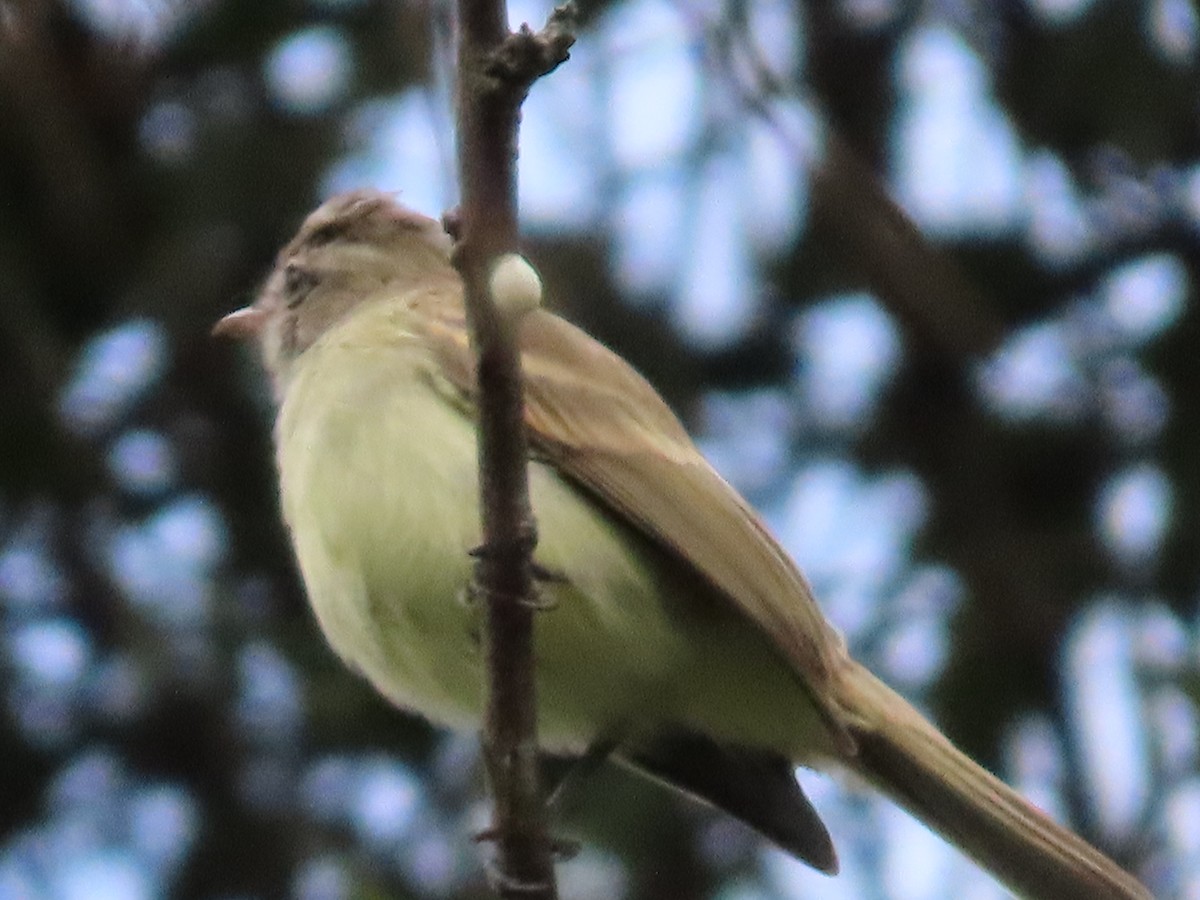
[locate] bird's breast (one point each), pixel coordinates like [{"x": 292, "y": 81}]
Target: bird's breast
[
  {"x": 378, "y": 475},
  {"x": 377, "y": 485}
]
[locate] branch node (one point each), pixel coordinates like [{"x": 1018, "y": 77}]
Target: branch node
[
  {"x": 452, "y": 224},
  {"x": 525, "y": 55},
  {"x": 562, "y": 848},
  {"x": 511, "y": 886},
  {"x": 540, "y": 601},
  {"x": 521, "y": 544}
]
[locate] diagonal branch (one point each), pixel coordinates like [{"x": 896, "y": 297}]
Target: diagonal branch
[
  {"x": 925, "y": 289},
  {"x": 495, "y": 71}
]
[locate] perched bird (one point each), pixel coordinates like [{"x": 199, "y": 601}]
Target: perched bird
[{"x": 679, "y": 632}]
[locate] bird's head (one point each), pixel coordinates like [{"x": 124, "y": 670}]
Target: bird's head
[{"x": 354, "y": 248}]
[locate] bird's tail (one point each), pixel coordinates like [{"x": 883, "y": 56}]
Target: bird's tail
[{"x": 907, "y": 758}]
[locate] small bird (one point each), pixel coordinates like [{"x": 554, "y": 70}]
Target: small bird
[{"x": 677, "y": 630}]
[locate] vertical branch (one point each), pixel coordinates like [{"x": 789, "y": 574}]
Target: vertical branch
[{"x": 495, "y": 71}]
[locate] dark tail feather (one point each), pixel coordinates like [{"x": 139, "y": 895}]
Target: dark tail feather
[
  {"x": 755, "y": 786},
  {"x": 911, "y": 761}
]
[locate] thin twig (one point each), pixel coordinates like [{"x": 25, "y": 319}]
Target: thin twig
[{"x": 495, "y": 71}]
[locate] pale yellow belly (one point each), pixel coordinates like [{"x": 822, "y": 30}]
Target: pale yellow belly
[{"x": 378, "y": 475}]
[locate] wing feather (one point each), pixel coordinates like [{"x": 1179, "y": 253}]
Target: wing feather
[{"x": 600, "y": 423}]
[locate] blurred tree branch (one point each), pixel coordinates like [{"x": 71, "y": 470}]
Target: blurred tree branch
[
  {"x": 52, "y": 98},
  {"x": 921, "y": 286}
]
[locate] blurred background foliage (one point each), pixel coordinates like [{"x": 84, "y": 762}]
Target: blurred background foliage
[{"x": 982, "y": 447}]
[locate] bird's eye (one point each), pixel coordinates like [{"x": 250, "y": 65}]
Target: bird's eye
[
  {"x": 297, "y": 283},
  {"x": 326, "y": 233}
]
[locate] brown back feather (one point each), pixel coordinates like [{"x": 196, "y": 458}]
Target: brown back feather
[{"x": 602, "y": 425}]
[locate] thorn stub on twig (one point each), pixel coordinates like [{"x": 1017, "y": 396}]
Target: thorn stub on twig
[
  {"x": 526, "y": 55},
  {"x": 540, "y": 601},
  {"x": 452, "y": 223},
  {"x": 562, "y": 848},
  {"x": 523, "y": 543},
  {"x": 508, "y": 886}
]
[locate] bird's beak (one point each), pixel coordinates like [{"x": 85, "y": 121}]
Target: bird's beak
[{"x": 242, "y": 323}]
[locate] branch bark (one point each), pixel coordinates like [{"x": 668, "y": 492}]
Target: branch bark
[{"x": 495, "y": 71}]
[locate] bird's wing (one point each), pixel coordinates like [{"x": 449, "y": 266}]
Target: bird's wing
[{"x": 601, "y": 424}]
